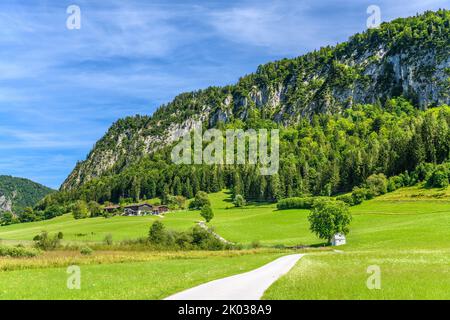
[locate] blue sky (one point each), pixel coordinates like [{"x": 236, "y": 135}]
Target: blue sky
[{"x": 61, "y": 89}]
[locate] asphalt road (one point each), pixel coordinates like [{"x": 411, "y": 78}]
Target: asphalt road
[{"x": 245, "y": 286}]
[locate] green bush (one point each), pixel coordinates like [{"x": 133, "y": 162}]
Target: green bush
[
  {"x": 18, "y": 252},
  {"x": 80, "y": 210},
  {"x": 94, "y": 209},
  {"x": 204, "y": 240},
  {"x": 7, "y": 218},
  {"x": 201, "y": 199},
  {"x": 176, "y": 202},
  {"x": 157, "y": 234},
  {"x": 108, "y": 240},
  {"x": 377, "y": 184},
  {"x": 196, "y": 238},
  {"x": 256, "y": 244},
  {"x": 86, "y": 251},
  {"x": 207, "y": 213},
  {"x": 347, "y": 198},
  {"x": 298, "y": 202},
  {"x": 359, "y": 195},
  {"x": 239, "y": 201},
  {"x": 439, "y": 179},
  {"x": 45, "y": 242}
]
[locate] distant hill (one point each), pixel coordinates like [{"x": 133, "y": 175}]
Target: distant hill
[{"x": 18, "y": 193}]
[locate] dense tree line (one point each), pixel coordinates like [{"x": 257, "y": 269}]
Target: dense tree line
[{"x": 327, "y": 155}]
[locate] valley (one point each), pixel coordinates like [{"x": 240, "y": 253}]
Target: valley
[{"x": 407, "y": 238}]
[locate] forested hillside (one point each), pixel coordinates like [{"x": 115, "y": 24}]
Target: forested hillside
[
  {"x": 406, "y": 57},
  {"x": 376, "y": 104},
  {"x": 18, "y": 193}
]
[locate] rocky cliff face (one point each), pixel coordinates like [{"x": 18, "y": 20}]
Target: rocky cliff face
[
  {"x": 407, "y": 57},
  {"x": 5, "y": 203}
]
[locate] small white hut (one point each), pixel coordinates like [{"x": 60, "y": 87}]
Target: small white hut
[{"x": 338, "y": 239}]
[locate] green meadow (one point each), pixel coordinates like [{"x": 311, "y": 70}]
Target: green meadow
[
  {"x": 155, "y": 278},
  {"x": 405, "y": 233}
]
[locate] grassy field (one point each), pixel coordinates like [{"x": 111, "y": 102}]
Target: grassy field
[
  {"x": 405, "y": 233},
  {"x": 388, "y": 220},
  {"x": 130, "y": 276},
  {"x": 404, "y": 274},
  {"x": 243, "y": 225}
]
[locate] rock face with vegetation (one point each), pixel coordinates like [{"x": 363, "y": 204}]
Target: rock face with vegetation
[
  {"x": 18, "y": 193},
  {"x": 371, "y": 111},
  {"x": 406, "y": 57}
]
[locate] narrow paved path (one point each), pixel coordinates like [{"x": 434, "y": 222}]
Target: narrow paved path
[{"x": 245, "y": 286}]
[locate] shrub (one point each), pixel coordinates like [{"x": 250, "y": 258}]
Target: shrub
[
  {"x": 108, "y": 240},
  {"x": 255, "y": 244},
  {"x": 54, "y": 211},
  {"x": 60, "y": 235},
  {"x": 298, "y": 202},
  {"x": 201, "y": 199},
  {"x": 359, "y": 195},
  {"x": 86, "y": 251},
  {"x": 239, "y": 201},
  {"x": 424, "y": 171},
  {"x": 157, "y": 234},
  {"x": 176, "y": 202},
  {"x": 17, "y": 252},
  {"x": 94, "y": 209},
  {"x": 438, "y": 179},
  {"x": 7, "y": 218},
  {"x": 45, "y": 242},
  {"x": 347, "y": 198},
  {"x": 28, "y": 215},
  {"x": 377, "y": 184},
  {"x": 196, "y": 238},
  {"x": 184, "y": 240},
  {"x": 80, "y": 210},
  {"x": 207, "y": 213},
  {"x": 204, "y": 240}
]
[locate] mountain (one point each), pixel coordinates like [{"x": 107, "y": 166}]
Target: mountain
[
  {"x": 408, "y": 57},
  {"x": 18, "y": 193}
]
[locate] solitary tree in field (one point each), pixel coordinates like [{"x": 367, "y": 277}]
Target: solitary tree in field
[
  {"x": 207, "y": 213},
  {"x": 328, "y": 218}
]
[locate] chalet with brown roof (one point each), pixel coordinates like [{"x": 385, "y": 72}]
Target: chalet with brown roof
[
  {"x": 160, "y": 209},
  {"x": 138, "y": 209},
  {"x": 111, "y": 208}
]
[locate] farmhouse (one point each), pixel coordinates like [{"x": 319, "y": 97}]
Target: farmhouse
[
  {"x": 138, "y": 209},
  {"x": 338, "y": 239},
  {"x": 112, "y": 208},
  {"x": 144, "y": 209},
  {"x": 160, "y": 209}
]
